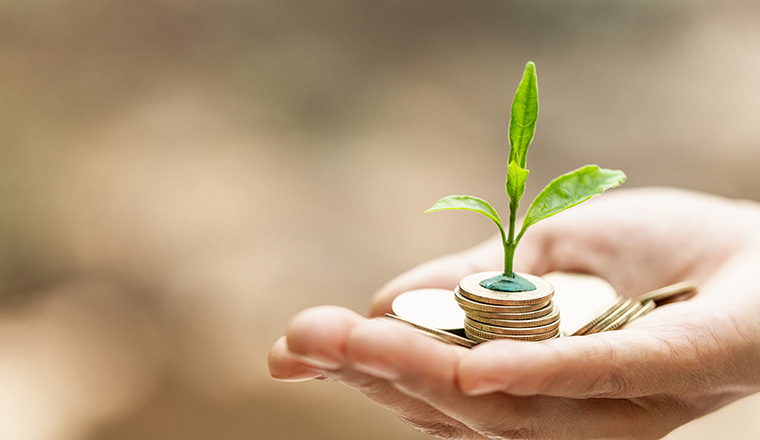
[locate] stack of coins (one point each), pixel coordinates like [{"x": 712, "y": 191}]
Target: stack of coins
[{"x": 491, "y": 314}]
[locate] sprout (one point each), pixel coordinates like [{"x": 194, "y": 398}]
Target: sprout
[{"x": 560, "y": 194}]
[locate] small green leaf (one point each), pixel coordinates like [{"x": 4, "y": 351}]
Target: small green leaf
[
  {"x": 522, "y": 124},
  {"x": 569, "y": 190},
  {"x": 516, "y": 177},
  {"x": 468, "y": 203}
]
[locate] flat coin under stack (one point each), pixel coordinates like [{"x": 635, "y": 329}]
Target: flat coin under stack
[{"x": 491, "y": 314}]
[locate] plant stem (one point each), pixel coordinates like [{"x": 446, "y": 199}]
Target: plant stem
[
  {"x": 509, "y": 254},
  {"x": 506, "y": 247},
  {"x": 509, "y": 244}
]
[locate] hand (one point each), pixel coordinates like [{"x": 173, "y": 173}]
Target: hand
[{"x": 677, "y": 363}]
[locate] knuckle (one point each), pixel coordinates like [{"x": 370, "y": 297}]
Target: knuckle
[
  {"x": 434, "y": 428},
  {"x": 610, "y": 380},
  {"x": 373, "y": 389},
  {"x": 522, "y": 433},
  {"x": 614, "y": 383}
]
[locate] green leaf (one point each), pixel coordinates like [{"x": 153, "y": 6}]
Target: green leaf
[
  {"x": 516, "y": 177},
  {"x": 522, "y": 124},
  {"x": 468, "y": 203},
  {"x": 569, "y": 190}
]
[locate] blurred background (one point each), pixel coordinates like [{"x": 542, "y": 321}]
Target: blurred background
[{"x": 166, "y": 166}]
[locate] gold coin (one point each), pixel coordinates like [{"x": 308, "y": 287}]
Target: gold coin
[
  {"x": 434, "y": 308},
  {"x": 542, "y": 312},
  {"x": 583, "y": 330},
  {"x": 482, "y": 334},
  {"x": 435, "y": 333},
  {"x": 470, "y": 288},
  {"x": 469, "y": 304},
  {"x": 550, "y": 317},
  {"x": 668, "y": 292},
  {"x": 478, "y": 340},
  {"x": 623, "y": 319},
  {"x": 581, "y": 297},
  {"x": 513, "y": 330},
  {"x": 614, "y": 315},
  {"x": 646, "y": 307},
  {"x": 475, "y": 338}
]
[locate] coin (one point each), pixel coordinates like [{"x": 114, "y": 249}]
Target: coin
[
  {"x": 646, "y": 307},
  {"x": 623, "y": 319},
  {"x": 596, "y": 320},
  {"x": 441, "y": 335},
  {"x": 540, "y": 313},
  {"x": 512, "y": 330},
  {"x": 668, "y": 292},
  {"x": 611, "y": 317},
  {"x": 550, "y": 317},
  {"x": 477, "y": 339},
  {"x": 470, "y": 288},
  {"x": 469, "y": 304},
  {"x": 435, "y": 308},
  {"x": 581, "y": 297},
  {"x": 481, "y": 334}
]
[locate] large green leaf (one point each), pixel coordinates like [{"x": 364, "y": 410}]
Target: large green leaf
[
  {"x": 522, "y": 124},
  {"x": 468, "y": 203},
  {"x": 569, "y": 190},
  {"x": 516, "y": 177}
]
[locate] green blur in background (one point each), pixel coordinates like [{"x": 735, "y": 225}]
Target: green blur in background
[{"x": 167, "y": 166}]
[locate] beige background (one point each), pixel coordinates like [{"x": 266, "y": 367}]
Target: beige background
[{"x": 167, "y": 167}]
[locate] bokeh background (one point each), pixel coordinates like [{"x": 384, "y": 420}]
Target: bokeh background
[{"x": 168, "y": 166}]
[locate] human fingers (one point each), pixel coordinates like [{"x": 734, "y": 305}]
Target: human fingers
[
  {"x": 313, "y": 343},
  {"x": 415, "y": 412},
  {"x": 681, "y": 350},
  {"x": 318, "y": 335},
  {"x": 427, "y": 370},
  {"x": 709, "y": 344},
  {"x": 314, "y": 347},
  {"x": 285, "y": 367},
  {"x": 419, "y": 367}
]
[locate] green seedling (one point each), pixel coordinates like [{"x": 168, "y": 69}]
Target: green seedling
[{"x": 560, "y": 194}]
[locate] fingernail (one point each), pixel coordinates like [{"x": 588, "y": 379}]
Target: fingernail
[
  {"x": 303, "y": 375},
  {"x": 377, "y": 369},
  {"x": 321, "y": 361},
  {"x": 480, "y": 388}
]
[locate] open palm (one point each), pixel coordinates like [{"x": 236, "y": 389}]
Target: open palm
[{"x": 677, "y": 363}]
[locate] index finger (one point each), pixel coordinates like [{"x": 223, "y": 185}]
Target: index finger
[{"x": 673, "y": 351}]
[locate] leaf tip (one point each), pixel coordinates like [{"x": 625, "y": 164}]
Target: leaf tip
[{"x": 619, "y": 175}]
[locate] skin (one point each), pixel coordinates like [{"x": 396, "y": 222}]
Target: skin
[{"x": 679, "y": 362}]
